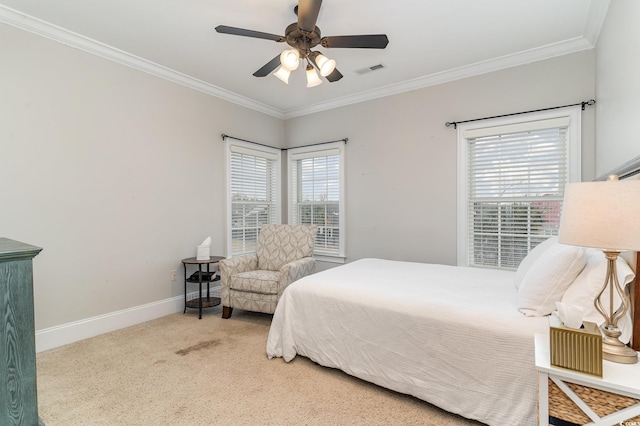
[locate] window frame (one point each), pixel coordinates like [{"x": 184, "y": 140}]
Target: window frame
[
  {"x": 574, "y": 160},
  {"x": 296, "y": 154},
  {"x": 256, "y": 150}
]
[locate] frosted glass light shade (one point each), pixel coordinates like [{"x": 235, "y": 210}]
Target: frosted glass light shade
[
  {"x": 325, "y": 65},
  {"x": 603, "y": 215},
  {"x": 312, "y": 77},
  {"x": 283, "y": 74},
  {"x": 290, "y": 59}
]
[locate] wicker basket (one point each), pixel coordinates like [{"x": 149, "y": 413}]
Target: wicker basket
[{"x": 601, "y": 402}]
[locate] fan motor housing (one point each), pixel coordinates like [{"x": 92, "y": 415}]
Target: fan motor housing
[{"x": 301, "y": 40}]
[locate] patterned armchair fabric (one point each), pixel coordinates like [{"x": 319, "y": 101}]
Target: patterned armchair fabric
[{"x": 255, "y": 282}]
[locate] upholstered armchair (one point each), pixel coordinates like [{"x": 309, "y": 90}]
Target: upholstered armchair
[{"x": 255, "y": 282}]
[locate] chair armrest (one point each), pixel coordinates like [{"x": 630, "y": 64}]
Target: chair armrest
[
  {"x": 238, "y": 264},
  {"x": 295, "y": 270},
  {"x": 234, "y": 265}
]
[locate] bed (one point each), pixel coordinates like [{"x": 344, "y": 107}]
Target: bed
[{"x": 452, "y": 336}]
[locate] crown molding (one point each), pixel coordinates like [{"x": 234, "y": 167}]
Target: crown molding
[
  {"x": 34, "y": 25},
  {"x": 597, "y": 14},
  {"x": 573, "y": 45},
  {"x": 595, "y": 20}
]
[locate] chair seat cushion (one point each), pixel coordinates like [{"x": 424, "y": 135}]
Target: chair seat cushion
[{"x": 264, "y": 282}]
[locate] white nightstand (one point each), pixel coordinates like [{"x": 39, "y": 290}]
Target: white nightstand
[{"x": 620, "y": 381}]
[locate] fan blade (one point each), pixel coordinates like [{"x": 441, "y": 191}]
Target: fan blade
[
  {"x": 268, "y": 67},
  {"x": 334, "y": 76},
  {"x": 308, "y": 11},
  {"x": 248, "y": 33},
  {"x": 370, "y": 41}
]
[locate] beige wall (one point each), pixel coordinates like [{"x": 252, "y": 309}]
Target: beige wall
[
  {"x": 115, "y": 173},
  {"x": 618, "y": 86},
  {"x": 401, "y": 176},
  {"x": 118, "y": 174}
]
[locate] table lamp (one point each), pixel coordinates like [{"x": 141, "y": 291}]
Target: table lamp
[{"x": 605, "y": 215}]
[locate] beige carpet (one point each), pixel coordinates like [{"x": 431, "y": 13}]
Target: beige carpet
[{"x": 179, "y": 370}]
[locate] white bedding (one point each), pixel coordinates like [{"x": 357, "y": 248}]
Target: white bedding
[{"x": 449, "y": 335}]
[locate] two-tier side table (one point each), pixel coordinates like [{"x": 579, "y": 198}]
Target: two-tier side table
[{"x": 201, "y": 277}]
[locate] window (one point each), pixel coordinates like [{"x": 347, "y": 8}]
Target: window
[
  {"x": 316, "y": 196},
  {"x": 511, "y": 184},
  {"x": 253, "y": 193}
]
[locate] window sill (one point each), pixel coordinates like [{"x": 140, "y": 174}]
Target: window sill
[{"x": 329, "y": 258}]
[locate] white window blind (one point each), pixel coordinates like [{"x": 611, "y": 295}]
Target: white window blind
[
  {"x": 253, "y": 194},
  {"x": 515, "y": 180},
  {"x": 316, "y": 195}
]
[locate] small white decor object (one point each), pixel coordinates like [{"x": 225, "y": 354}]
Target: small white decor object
[
  {"x": 202, "y": 251},
  {"x": 570, "y": 315}
]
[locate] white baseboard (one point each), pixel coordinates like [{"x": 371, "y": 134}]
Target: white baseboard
[{"x": 53, "y": 337}]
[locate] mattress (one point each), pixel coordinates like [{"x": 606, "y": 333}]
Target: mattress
[{"x": 451, "y": 336}]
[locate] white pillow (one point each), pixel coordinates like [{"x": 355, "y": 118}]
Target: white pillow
[
  {"x": 589, "y": 282},
  {"x": 548, "y": 278},
  {"x": 530, "y": 258}
]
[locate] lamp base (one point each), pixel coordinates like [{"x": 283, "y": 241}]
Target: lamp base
[{"x": 614, "y": 350}]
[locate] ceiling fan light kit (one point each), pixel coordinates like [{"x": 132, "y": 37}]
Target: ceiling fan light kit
[
  {"x": 312, "y": 76},
  {"x": 290, "y": 59},
  {"x": 303, "y": 36},
  {"x": 283, "y": 74},
  {"x": 325, "y": 65}
]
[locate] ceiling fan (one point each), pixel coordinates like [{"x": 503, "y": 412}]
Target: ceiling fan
[{"x": 303, "y": 36}]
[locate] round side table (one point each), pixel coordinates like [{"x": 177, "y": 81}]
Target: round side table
[{"x": 200, "y": 277}]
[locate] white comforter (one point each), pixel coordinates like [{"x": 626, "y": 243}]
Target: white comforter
[{"x": 449, "y": 335}]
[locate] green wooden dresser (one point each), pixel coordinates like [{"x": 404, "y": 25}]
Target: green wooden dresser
[{"x": 18, "y": 396}]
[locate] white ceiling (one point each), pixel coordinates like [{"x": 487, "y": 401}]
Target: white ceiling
[{"x": 430, "y": 41}]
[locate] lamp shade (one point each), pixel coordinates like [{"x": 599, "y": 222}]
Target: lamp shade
[
  {"x": 283, "y": 74},
  {"x": 604, "y": 215},
  {"x": 325, "y": 65},
  {"x": 290, "y": 59},
  {"x": 312, "y": 77}
]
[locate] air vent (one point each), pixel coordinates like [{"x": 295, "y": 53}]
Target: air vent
[{"x": 371, "y": 68}]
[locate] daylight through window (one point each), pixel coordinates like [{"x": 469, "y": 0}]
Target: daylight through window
[
  {"x": 315, "y": 195},
  {"x": 254, "y": 182},
  {"x": 514, "y": 186}
]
